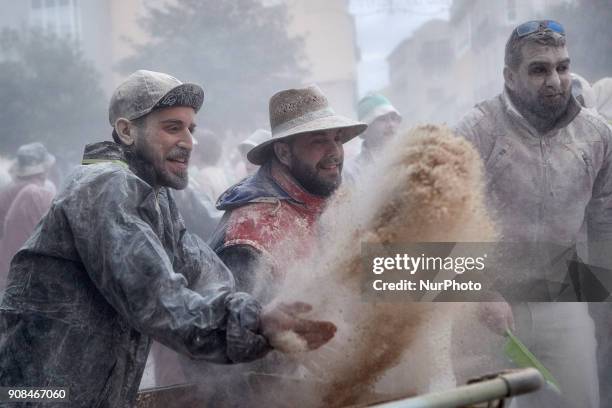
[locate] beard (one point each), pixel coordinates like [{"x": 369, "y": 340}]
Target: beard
[
  {"x": 176, "y": 180},
  {"x": 149, "y": 166},
  {"x": 312, "y": 181},
  {"x": 548, "y": 110}
]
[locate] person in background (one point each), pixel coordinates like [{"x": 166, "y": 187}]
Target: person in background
[
  {"x": 383, "y": 122},
  {"x": 27, "y": 209},
  {"x": 255, "y": 138},
  {"x": 603, "y": 98},
  {"x": 208, "y": 174},
  {"x": 31, "y": 166},
  {"x": 24, "y": 201},
  {"x": 583, "y": 92}
]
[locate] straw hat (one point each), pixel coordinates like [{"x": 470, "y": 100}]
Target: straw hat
[{"x": 298, "y": 111}]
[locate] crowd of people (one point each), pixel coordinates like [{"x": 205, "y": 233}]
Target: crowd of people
[{"x": 95, "y": 271}]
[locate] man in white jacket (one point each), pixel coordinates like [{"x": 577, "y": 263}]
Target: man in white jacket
[{"x": 548, "y": 169}]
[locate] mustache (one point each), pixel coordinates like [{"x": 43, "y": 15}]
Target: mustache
[
  {"x": 331, "y": 161},
  {"x": 179, "y": 153},
  {"x": 553, "y": 92}
]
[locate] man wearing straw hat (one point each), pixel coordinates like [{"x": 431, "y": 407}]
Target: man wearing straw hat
[{"x": 277, "y": 207}]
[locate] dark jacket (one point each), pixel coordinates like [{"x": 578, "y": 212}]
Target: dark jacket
[{"x": 109, "y": 267}]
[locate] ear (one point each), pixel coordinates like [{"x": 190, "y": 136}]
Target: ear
[
  {"x": 282, "y": 152},
  {"x": 510, "y": 78},
  {"x": 125, "y": 131}
]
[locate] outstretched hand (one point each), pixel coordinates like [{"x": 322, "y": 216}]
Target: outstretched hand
[{"x": 282, "y": 324}]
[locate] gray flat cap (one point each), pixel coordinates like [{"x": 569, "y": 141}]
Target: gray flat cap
[{"x": 146, "y": 91}]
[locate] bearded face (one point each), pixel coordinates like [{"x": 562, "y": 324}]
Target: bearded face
[
  {"x": 163, "y": 146},
  {"x": 542, "y": 83},
  {"x": 315, "y": 161},
  {"x": 322, "y": 178}
]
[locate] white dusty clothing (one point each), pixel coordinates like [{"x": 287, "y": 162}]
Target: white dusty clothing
[{"x": 542, "y": 188}]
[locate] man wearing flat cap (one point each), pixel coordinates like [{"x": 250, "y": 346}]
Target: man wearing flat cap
[
  {"x": 274, "y": 211},
  {"x": 111, "y": 267}
]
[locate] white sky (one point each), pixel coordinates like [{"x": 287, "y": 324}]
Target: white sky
[{"x": 383, "y": 24}]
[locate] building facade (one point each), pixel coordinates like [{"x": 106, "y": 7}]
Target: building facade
[
  {"x": 442, "y": 88},
  {"x": 330, "y": 49}
]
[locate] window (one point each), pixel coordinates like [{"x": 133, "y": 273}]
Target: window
[{"x": 59, "y": 17}]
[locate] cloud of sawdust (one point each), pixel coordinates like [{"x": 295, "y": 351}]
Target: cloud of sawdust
[{"x": 428, "y": 188}]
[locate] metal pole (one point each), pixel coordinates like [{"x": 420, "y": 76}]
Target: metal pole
[{"x": 506, "y": 385}]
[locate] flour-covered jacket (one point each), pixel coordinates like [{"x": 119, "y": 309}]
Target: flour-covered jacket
[
  {"x": 269, "y": 221},
  {"x": 544, "y": 187},
  {"x": 107, "y": 269}
]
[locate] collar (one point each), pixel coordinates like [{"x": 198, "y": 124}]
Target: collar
[
  {"x": 571, "y": 112},
  {"x": 280, "y": 174},
  {"x": 102, "y": 152},
  {"x": 111, "y": 152}
]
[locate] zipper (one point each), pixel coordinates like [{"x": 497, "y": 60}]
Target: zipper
[
  {"x": 546, "y": 182},
  {"x": 587, "y": 162},
  {"x": 157, "y": 207}
]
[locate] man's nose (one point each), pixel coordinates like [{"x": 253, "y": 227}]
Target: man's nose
[
  {"x": 554, "y": 80},
  {"x": 335, "y": 150},
  {"x": 186, "y": 141}
]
